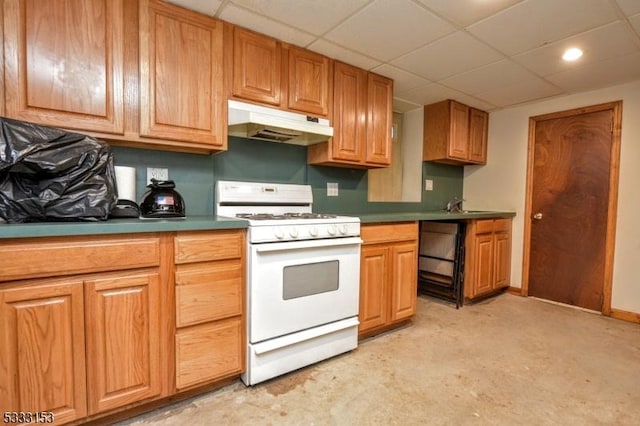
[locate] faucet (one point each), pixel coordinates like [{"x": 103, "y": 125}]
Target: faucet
[{"x": 454, "y": 205}]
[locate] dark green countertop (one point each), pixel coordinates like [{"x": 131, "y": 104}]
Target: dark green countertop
[
  {"x": 125, "y": 226},
  {"x": 431, "y": 215},
  {"x": 116, "y": 226}
]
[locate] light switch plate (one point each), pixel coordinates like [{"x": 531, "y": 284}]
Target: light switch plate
[
  {"x": 428, "y": 185},
  {"x": 332, "y": 189},
  {"x": 158, "y": 173}
]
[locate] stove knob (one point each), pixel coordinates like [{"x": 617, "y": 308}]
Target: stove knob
[
  {"x": 313, "y": 231},
  {"x": 343, "y": 229},
  {"x": 279, "y": 233},
  {"x": 332, "y": 230},
  {"x": 293, "y": 232}
]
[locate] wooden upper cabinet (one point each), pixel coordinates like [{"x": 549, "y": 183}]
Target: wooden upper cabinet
[
  {"x": 379, "y": 119},
  {"x": 257, "y": 67},
  {"x": 309, "y": 82},
  {"x": 362, "y": 121},
  {"x": 455, "y": 133},
  {"x": 63, "y": 63},
  {"x": 42, "y": 349},
  {"x": 181, "y": 84},
  {"x": 349, "y": 113}
]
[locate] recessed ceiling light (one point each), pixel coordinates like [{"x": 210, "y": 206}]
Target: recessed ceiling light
[{"x": 572, "y": 54}]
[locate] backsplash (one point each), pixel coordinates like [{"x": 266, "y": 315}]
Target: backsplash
[{"x": 250, "y": 160}]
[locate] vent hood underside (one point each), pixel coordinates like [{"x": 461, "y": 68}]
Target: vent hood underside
[{"x": 258, "y": 122}]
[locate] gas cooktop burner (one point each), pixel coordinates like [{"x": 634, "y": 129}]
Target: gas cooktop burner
[{"x": 284, "y": 216}]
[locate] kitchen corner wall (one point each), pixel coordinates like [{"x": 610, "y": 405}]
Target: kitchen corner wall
[{"x": 259, "y": 161}]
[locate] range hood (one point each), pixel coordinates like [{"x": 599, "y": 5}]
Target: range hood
[{"x": 274, "y": 125}]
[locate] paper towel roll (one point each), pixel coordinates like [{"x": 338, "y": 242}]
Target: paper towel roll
[{"x": 126, "y": 181}]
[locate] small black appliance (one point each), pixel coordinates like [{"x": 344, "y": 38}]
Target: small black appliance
[{"x": 162, "y": 201}]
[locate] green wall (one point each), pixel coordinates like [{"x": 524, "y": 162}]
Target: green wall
[{"x": 259, "y": 161}]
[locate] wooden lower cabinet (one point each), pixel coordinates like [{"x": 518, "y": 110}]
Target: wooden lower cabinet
[
  {"x": 488, "y": 257},
  {"x": 388, "y": 275},
  {"x": 209, "y": 278},
  {"x": 123, "y": 346},
  {"x": 42, "y": 349}
]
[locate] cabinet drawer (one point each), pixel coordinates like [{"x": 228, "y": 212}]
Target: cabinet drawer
[
  {"x": 501, "y": 225},
  {"x": 208, "y": 352},
  {"x": 207, "y": 246},
  {"x": 484, "y": 226},
  {"x": 389, "y": 232},
  {"x": 75, "y": 255},
  {"x": 207, "y": 292}
]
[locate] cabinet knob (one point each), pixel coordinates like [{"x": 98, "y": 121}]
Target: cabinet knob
[{"x": 537, "y": 216}]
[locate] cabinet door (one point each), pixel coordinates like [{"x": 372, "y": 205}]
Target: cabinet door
[
  {"x": 484, "y": 264},
  {"x": 257, "y": 67},
  {"x": 122, "y": 326},
  {"x": 374, "y": 274},
  {"x": 459, "y": 131},
  {"x": 209, "y": 352},
  {"x": 379, "y": 119},
  {"x": 502, "y": 241},
  {"x": 478, "y": 128},
  {"x": 309, "y": 82},
  {"x": 181, "y": 94},
  {"x": 42, "y": 358},
  {"x": 64, "y": 63},
  {"x": 404, "y": 284},
  {"x": 349, "y": 113}
]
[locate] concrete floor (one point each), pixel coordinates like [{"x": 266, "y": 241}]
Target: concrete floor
[{"x": 506, "y": 361}]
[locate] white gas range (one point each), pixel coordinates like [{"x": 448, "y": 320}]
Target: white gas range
[{"x": 303, "y": 273}]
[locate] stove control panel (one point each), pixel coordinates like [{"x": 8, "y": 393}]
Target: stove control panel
[{"x": 264, "y": 234}]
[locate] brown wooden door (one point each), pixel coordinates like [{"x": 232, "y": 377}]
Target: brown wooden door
[
  {"x": 123, "y": 348},
  {"x": 478, "y": 133},
  {"x": 404, "y": 257},
  {"x": 485, "y": 263},
  {"x": 42, "y": 358},
  {"x": 181, "y": 84},
  {"x": 459, "y": 131},
  {"x": 569, "y": 207},
  {"x": 257, "y": 67},
  {"x": 374, "y": 274},
  {"x": 309, "y": 82},
  {"x": 349, "y": 113},
  {"x": 64, "y": 63},
  {"x": 379, "y": 120}
]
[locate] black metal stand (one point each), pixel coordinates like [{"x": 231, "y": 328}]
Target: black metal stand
[{"x": 444, "y": 287}]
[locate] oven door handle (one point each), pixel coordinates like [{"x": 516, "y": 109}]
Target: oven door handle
[
  {"x": 303, "y": 336},
  {"x": 296, "y": 245}
]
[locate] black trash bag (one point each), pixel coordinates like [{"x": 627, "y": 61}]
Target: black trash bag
[{"x": 48, "y": 174}]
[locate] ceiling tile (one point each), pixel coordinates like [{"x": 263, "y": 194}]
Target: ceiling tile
[
  {"x": 400, "y": 105},
  {"x": 600, "y": 74},
  {"x": 387, "y": 29},
  {"x": 345, "y": 55},
  {"x": 402, "y": 80},
  {"x": 533, "y": 23},
  {"x": 208, "y": 7},
  {"x": 448, "y": 56},
  {"x": 629, "y": 7},
  {"x": 434, "y": 92},
  {"x": 524, "y": 91},
  {"x": 466, "y": 12},
  {"x": 488, "y": 78},
  {"x": 599, "y": 44},
  {"x": 258, "y": 23},
  {"x": 313, "y": 16}
]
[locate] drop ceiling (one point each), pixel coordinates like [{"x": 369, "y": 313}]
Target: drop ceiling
[{"x": 490, "y": 54}]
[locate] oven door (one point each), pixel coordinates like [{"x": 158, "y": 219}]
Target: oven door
[{"x": 294, "y": 286}]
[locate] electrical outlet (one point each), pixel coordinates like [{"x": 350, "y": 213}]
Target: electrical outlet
[
  {"x": 157, "y": 173},
  {"x": 332, "y": 189},
  {"x": 428, "y": 185}
]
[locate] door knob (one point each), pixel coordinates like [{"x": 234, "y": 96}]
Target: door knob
[{"x": 537, "y": 216}]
